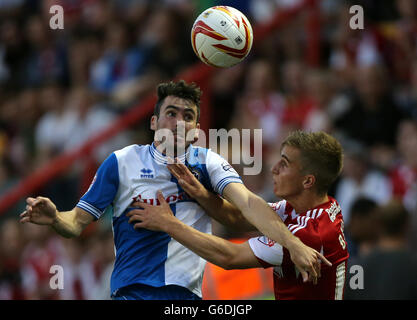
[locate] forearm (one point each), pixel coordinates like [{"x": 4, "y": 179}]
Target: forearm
[
  {"x": 224, "y": 212},
  {"x": 259, "y": 214},
  {"x": 66, "y": 224},
  {"x": 211, "y": 248}
]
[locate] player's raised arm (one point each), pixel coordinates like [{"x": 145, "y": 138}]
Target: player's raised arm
[
  {"x": 258, "y": 213},
  {"x": 42, "y": 211},
  {"x": 215, "y": 206}
]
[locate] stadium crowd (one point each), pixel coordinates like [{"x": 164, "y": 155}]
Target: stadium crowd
[{"x": 60, "y": 87}]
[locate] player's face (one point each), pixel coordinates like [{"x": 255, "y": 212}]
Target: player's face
[
  {"x": 286, "y": 173},
  {"x": 179, "y": 116}
]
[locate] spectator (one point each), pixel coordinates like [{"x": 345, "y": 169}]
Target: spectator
[
  {"x": 13, "y": 50},
  {"x": 321, "y": 89},
  {"x": 170, "y": 52},
  {"x": 41, "y": 252},
  {"x": 362, "y": 231},
  {"x": 390, "y": 269},
  {"x": 11, "y": 245},
  {"x": 261, "y": 106},
  {"x": 360, "y": 179},
  {"x": 298, "y": 102},
  {"x": 79, "y": 276},
  {"x": 47, "y": 59},
  {"x": 404, "y": 173},
  {"x": 372, "y": 108},
  {"x": 121, "y": 61},
  {"x": 57, "y": 123},
  {"x": 90, "y": 117}
]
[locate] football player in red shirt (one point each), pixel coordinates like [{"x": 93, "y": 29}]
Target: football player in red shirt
[{"x": 309, "y": 164}]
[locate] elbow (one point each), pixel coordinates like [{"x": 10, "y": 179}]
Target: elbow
[{"x": 226, "y": 262}]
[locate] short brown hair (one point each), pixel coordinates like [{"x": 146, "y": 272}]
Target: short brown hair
[
  {"x": 393, "y": 218},
  {"x": 180, "y": 89},
  {"x": 321, "y": 156}
]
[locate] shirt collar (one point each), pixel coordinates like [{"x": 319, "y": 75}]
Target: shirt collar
[{"x": 163, "y": 159}]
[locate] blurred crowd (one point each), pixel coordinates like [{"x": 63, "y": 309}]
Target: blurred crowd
[{"x": 60, "y": 87}]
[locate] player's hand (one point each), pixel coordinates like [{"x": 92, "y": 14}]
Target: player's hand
[
  {"x": 39, "y": 210},
  {"x": 187, "y": 180},
  {"x": 155, "y": 218},
  {"x": 307, "y": 260}
]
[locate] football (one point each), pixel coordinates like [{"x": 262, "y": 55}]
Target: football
[{"x": 221, "y": 36}]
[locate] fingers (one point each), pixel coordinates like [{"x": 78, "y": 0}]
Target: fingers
[
  {"x": 312, "y": 271},
  {"x": 176, "y": 170},
  {"x": 31, "y": 201},
  {"x": 135, "y": 211},
  {"x": 323, "y": 259},
  {"x": 139, "y": 204},
  {"x": 36, "y": 201},
  {"x": 304, "y": 275},
  {"x": 24, "y": 217},
  {"x": 161, "y": 198},
  {"x": 139, "y": 225},
  {"x": 318, "y": 268},
  {"x": 135, "y": 218}
]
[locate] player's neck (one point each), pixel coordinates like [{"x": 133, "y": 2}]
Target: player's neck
[
  {"x": 307, "y": 201},
  {"x": 163, "y": 150}
]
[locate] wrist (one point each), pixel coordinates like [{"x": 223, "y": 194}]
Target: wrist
[
  {"x": 171, "y": 226},
  {"x": 55, "y": 219},
  {"x": 203, "y": 195},
  {"x": 292, "y": 243}
]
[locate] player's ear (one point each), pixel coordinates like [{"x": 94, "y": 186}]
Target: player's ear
[
  {"x": 309, "y": 181},
  {"x": 197, "y": 132},
  {"x": 154, "y": 120}
]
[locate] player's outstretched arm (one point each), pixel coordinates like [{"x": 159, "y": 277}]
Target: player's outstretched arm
[
  {"x": 42, "y": 211},
  {"x": 215, "y": 206},
  {"x": 218, "y": 251},
  {"x": 258, "y": 213}
]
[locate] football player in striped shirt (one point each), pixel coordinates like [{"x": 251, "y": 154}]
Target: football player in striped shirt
[
  {"x": 309, "y": 164},
  {"x": 148, "y": 264}
]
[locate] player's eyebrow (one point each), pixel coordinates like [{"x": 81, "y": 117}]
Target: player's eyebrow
[
  {"x": 286, "y": 158},
  {"x": 186, "y": 109}
]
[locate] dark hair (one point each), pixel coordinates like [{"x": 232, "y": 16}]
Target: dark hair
[
  {"x": 180, "y": 89},
  {"x": 393, "y": 218},
  {"x": 363, "y": 207},
  {"x": 321, "y": 155}
]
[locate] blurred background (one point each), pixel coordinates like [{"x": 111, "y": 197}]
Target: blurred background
[{"x": 70, "y": 97}]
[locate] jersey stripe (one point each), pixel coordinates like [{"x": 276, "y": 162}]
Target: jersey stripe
[
  {"x": 90, "y": 209},
  {"x": 340, "y": 281},
  {"x": 302, "y": 226},
  {"x": 319, "y": 214}
]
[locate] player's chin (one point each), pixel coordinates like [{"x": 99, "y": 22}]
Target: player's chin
[{"x": 276, "y": 189}]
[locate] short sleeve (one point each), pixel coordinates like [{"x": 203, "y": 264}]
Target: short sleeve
[
  {"x": 221, "y": 172},
  {"x": 103, "y": 189},
  {"x": 267, "y": 251}
]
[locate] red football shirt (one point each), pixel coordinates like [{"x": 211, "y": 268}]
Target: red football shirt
[{"x": 320, "y": 228}]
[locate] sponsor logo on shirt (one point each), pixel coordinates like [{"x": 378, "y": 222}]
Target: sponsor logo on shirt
[
  {"x": 146, "y": 174},
  {"x": 173, "y": 198}
]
